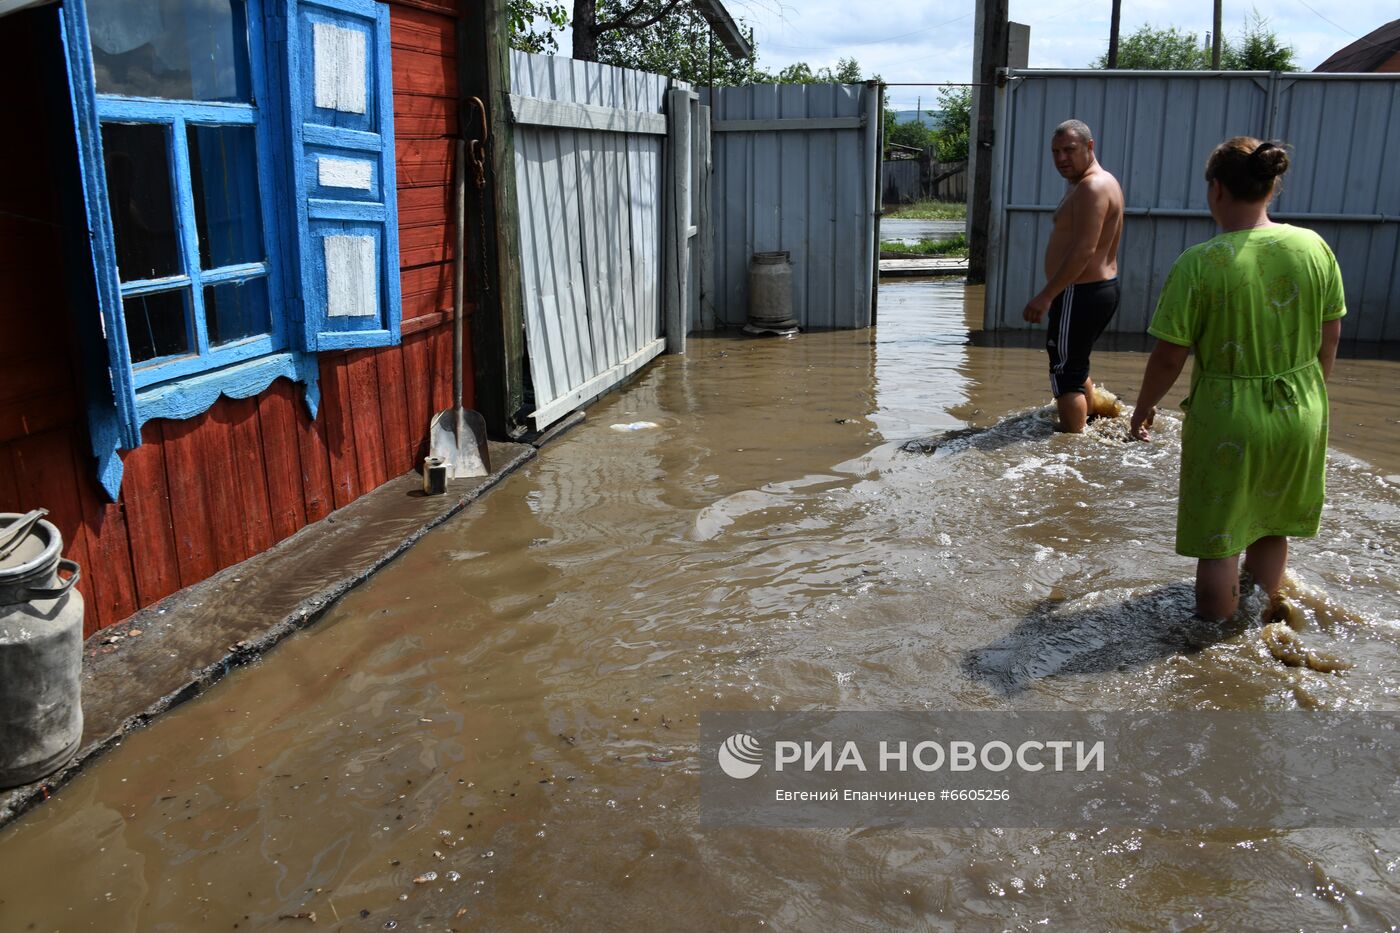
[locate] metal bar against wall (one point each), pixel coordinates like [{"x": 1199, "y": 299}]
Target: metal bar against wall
[
  {"x": 870, "y": 118},
  {"x": 705, "y": 223},
  {"x": 534, "y": 111},
  {"x": 1271, "y": 106},
  {"x": 677, "y": 180},
  {"x": 1003, "y": 132},
  {"x": 877, "y": 196},
  {"x": 790, "y": 124}
]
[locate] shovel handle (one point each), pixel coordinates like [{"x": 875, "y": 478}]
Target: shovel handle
[{"x": 459, "y": 267}]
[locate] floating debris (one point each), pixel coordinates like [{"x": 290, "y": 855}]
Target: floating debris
[
  {"x": 927, "y": 445},
  {"x": 426, "y": 877},
  {"x": 1287, "y": 646}
]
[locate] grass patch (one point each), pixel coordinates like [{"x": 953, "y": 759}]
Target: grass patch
[
  {"x": 930, "y": 210},
  {"x": 953, "y": 246}
]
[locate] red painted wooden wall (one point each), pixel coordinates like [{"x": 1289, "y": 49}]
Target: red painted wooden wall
[{"x": 207, "y": 492}]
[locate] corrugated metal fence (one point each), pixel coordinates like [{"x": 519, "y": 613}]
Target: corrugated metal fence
[
  {"x": 795, "y": 168},
  {"x": 1154, "y": 130},
  {"x": 592, "y": 182}
]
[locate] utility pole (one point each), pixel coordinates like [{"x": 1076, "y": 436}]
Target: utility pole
[
  {"x": 989, "y": 55},
  {"x": 1215, "y": 39},
  {"x": 1113, "y": 33}
]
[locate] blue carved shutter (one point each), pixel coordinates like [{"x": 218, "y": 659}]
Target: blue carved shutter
[{"x": 342, "y": 141}]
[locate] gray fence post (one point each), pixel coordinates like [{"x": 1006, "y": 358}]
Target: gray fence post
[
  {"x": 872, "y": 107},
  {"x": 677, "y": 224},
  {"x": 706, "y": 223}
]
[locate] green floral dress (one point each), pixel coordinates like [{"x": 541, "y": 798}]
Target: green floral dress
[{"x": 1254, "y": 443}]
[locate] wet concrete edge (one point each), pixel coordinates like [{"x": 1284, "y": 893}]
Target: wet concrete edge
[{"x": 187, "y": 642}]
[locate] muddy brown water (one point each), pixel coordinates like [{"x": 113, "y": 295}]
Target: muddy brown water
[{"x": 513, "y": 704}]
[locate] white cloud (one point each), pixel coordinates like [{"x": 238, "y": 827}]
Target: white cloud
[{"x": 905, "y": 40}]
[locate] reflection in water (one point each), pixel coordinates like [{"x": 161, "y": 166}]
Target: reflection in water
[{"x": 512, "y": 705}]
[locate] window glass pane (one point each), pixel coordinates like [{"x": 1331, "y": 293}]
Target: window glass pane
[
  {"x": 158, "y": 325},
  {"x": 138, "y": 192},
  {"x": 177, "y": 49},
  {"x": 235, "y": 310},
  {"x": 224, "y": 170}
]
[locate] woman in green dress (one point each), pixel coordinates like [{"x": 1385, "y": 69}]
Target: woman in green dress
[{"x": 1261, "y": 305}]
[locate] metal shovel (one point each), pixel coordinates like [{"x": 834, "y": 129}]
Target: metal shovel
[{"x": 458, "y": 435}]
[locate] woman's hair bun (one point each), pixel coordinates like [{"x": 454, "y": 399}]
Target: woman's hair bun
[{"x": 1268, "y": 160}]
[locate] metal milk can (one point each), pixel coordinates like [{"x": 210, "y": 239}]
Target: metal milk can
[
  {"x": 41, "y": 650},
  {"x": 770, "y": 290}
]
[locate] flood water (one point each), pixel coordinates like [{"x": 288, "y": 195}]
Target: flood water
[
  {"x": 897, "y": 230},
  {"x": 512, "y": 706}
]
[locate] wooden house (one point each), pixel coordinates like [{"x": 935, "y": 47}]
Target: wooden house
[{"x": 227, "y": 287}]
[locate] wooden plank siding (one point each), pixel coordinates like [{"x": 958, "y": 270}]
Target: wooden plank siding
[{"x": 206, "y": 492}]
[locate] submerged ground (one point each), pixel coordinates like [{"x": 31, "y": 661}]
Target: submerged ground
[{"x": 499, "y": 730}]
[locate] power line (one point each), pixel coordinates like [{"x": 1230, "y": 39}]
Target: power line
[{"x": 1375, "y": 45}]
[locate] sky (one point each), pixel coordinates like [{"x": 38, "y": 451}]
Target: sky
[{"x": 915, "y": 40}]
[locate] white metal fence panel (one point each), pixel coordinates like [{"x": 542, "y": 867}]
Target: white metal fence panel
[
  {"x": 589, "y": 143},
  {"x": 1154, "y": 130},
  {"x": 795, "y": 168}
]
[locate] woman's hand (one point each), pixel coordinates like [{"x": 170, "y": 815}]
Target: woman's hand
[
  {"x": 1142, "y": 420},
  {"x": 1163, "y": 366}
]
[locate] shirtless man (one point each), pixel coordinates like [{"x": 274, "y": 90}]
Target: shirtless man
[{"x": 1081, "y": 269}]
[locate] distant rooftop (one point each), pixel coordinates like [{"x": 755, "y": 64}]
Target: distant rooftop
[{"x": 1368, "y": 53}]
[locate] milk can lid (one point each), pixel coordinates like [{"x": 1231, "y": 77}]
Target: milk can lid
[{"x": 27, "y": 547}]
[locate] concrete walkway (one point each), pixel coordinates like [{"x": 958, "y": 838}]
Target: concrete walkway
[{"x": 174, "y": 650}]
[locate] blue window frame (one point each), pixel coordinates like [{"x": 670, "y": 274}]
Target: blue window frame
[{"x": 237, "y": 163}]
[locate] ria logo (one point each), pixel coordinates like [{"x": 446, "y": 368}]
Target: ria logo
[{"x": 740, "y": 756}]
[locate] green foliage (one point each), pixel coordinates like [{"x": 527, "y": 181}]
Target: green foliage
[
  {"x": 953, "y": 246},
  {"x": 533, "y": 24},
  {"x": 1169, "y": 49},
  {"x": 946, "y": 131},
  {"x": 847, "y": 71},
  {"x": 679, "y": 45},
  {"x": 917, "y": 134},
  {"x": 955, "y": 124},
  {"x": 1257, "y": 48},
  {"x": 930, "y": 210}
]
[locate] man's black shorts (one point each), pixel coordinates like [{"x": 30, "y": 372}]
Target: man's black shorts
[{"x": 1077, "y": 316}]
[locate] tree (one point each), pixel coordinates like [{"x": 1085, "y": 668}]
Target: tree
[
  {"x": 678, "y": 45},
  {"x": 1169, "y": 49},
  {"x": 1258, "y": 49},
  {"x": 915, "y": 134},
  {"x": 533, "y": 24},
  {"x": 847, "y": 71},
  {"x": 593, "y": 20},
  {"x": 955, "y": 124}
]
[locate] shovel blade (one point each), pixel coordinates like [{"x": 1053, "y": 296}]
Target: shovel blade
[{"x": 465, "y": 455}]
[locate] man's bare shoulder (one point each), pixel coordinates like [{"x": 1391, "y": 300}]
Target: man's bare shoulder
[{"x": 1097, "y": 185}]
